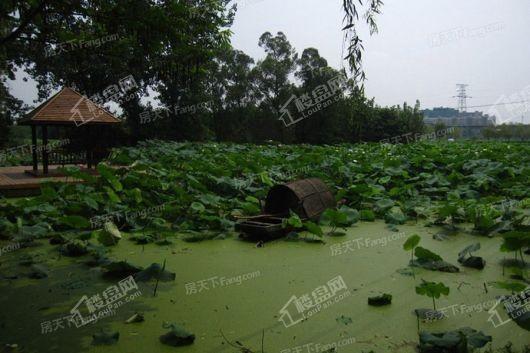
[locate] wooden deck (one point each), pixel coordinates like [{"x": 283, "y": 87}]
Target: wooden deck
[{"x": 14, "y": 181}]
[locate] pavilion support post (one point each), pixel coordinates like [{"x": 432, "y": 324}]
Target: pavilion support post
[
  {"x": 44, "y": 149},
  {"x": 34, "y": 148},
  {"x": 88, "y": 148}
]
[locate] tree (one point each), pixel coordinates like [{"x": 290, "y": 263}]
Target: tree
[
  {"x": 180, "y": 51},
  {"x": 312, "y": 68},
  {"x": 10, "y": 108},
  {"x": 329, "y": 122},
  {"x": 164, "y": 45},
  {"x": 273, "y": 83},
  {"x": 189, "y": 51},
  {"x": 233, "y": 93},
  {"x": 355, "y": 47},
  {"x": 272, "y": 73}
]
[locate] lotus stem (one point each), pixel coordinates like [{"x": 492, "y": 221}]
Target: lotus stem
[
  {"x": 158, "y": 278},
  {"x": 411, "y": 260},
  {"x": 156, "y": 287},
  {"x": 524, "y": 263}
]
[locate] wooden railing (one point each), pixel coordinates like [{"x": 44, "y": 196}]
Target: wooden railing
[{"x": 62, "y": 157}]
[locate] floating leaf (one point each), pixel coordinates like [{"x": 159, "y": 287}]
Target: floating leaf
[
  {"x": 426, "y": 255},
  {"x": 345, "y": 320},
  {"x": 77, "y": 222},
  {"x": 511, "y": 286},
  {"x": 155, "y": 271},
  {"x": 468, "y": 250},
  {"x": 461, "y": 340},
  {"x": 105, "y": 338},
  {"x": 177, "y": 336},
  {"x": 384, "y": 299},
  {"x": 120, "y": 269}
]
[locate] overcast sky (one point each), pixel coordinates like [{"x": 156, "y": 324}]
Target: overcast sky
[{"x": 423, "y": 48}]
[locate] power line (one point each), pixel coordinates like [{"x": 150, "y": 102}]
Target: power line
[
  {"x": 491, "y": 105},
  {"x": 495, "y": 104}
]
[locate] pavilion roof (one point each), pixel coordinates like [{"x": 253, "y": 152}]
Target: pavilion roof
[{"x": 68, "y": 107}]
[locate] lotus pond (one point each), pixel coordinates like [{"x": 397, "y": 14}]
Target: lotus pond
[{"x": 435, "y": 236}]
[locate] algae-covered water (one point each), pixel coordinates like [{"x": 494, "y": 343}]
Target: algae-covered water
[{"x": 233, "y": 288}]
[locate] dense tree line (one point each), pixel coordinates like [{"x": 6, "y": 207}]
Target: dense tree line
[
  {"x": 206, "y": 90},
  {"x": 514, "y": 132}
]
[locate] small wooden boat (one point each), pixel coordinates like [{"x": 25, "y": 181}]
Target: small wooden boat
[{"x": 308, "y": 198}]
